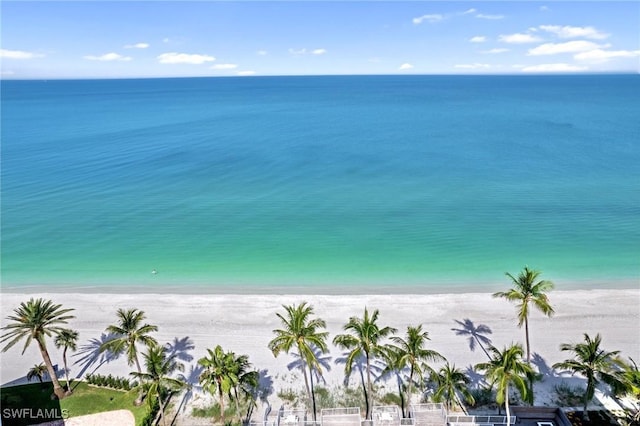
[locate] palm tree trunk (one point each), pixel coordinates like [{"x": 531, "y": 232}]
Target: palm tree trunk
[
  {"x": 506, "y": 404},
  {"x": 235, "y": 397},
  {"x": 526, "y": 333},
  {"x": 303, "y": 365},
  {"x": 370, "y": 403},
  {"x": 410, "y": 388},
  {"x": 57, "y": 389},
  {"x": 66, "y": 369},
  {"x": 588, "y": 395},
  {"x": 221, "y": 398},
  {"x": 313, "y": 394},
  {"x": 164, "y": 422},
  {"x": 364, "y": 390},
  {"x": 400, "y": 393}
]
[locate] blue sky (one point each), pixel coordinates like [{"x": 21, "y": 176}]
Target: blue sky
[{"x": 99, "y": 39}]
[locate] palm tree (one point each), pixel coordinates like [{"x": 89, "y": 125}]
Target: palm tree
[
  {"x": 629, "y": 386},
  {"x": 394, "y": 363},
  {"x": 247, "y": 381},
  {"x": 592, "y": 362},
  {"x": 525, "y": 291},
  {"x": 36, "y": 320},
  {"x": 37, "y": 372},
  {"x": 128, "y": 331},
  {"x": 219, "y": 374},
  {"x": 364, "y": 340},
  {"x": 413, "y": 354},
  {"x": 506, "y": 368},
  {"x": 304, "y": 333},
  {"x": 451, "y": 381},
  {"x": 67, "y": 339},
  {"x": 159, "y": 366}
]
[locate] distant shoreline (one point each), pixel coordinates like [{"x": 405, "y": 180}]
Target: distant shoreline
[{"x": 338, "y": 288}]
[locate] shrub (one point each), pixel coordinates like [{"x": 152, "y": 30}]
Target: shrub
[
  {"x": 484, "y": 397},
  {"x": 567, "y": 396},
  {"x": 119, "y": 383}
]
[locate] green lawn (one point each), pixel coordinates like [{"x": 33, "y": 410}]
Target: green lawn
[{"x": 29, "y": 404}]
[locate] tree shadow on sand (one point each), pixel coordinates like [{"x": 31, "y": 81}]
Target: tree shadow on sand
[
  {"x": 323, "y": 360},
  {"x": 180, "y": 348},
  {"x": 541, "y": 365},
  {"x": 475, "y": 333},
  {"x": 192, "y": 380},
  {"x": 359, "y": 365},
  {"x": 476, "y": 380},
  {"x": 90, "y": 354}
]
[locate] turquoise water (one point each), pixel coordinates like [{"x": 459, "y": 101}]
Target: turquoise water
[{"x": 320, "y": 182}]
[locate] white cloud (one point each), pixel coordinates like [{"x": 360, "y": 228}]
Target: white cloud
[
  {"x": 473, "y": 66},
  {"x": 262, "y": 52},
  {"x": 8, "y": 72},
  {"x": 429, "y": 18},
  {"x": 109, "y": 57},
  {"x": 468, "y": 11},
  {"x": 493, "y": 17},
  {"x": 544, "y": 8},
  {"x": 567, "y": 47},
  {"x": 554, "y": 68},
  {"x": 496, "y": 50},
  {"x": 600, "y": 56},
  {"x": 572, "y": 32},
  {"x": 137, "y": 46},
  {"x": 18, "y": 54},
  {"x": 478, "y": 39},
  {"x": 305, "y": 51},
  {"x": 184, "y": 58},
  {"x": 405, "y": 66},
  {"x": 245, "y": 73},
  {"x": 224, "y": 66},
  {"x": 518, "y": 38}
]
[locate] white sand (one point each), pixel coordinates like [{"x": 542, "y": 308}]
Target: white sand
[{"x": 244, "y": 324}]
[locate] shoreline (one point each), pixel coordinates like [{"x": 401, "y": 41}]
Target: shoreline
[
  {"x": 244, "y": 323},
  {"x": 380, "y": 288}
]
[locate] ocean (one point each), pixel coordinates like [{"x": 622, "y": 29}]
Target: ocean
[{"x": 320, "y": 184}]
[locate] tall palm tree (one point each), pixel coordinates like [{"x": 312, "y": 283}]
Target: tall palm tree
[
  {"x": 364, "y": 340},
  {"x": 37, "y": 372},
  {"x": 305, "y": 333},
  {"x": 394, "y": 364},
  {"x": 36, "y": 320},
  {"x": 128, "y": 331},
  {"x": 67, "y": 339},
  {"x": 504, "y": 369},
  {"x": 218, "y": 375},
  {"x": 413, "y": 354},
  {"x": 451, "y": 381},
  {"x": 592, "y": 362},
  {"x": 158, "y": 368},
  {"x": 527, "y": 290}
]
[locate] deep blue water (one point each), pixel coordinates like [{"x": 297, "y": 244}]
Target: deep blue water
[{"x": 320, "y": 181}]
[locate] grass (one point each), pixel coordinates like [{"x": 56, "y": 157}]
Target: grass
[{"x": 84, "y": 400}]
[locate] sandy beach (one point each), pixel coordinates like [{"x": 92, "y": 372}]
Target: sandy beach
[{"x": 245, "y": 324}]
